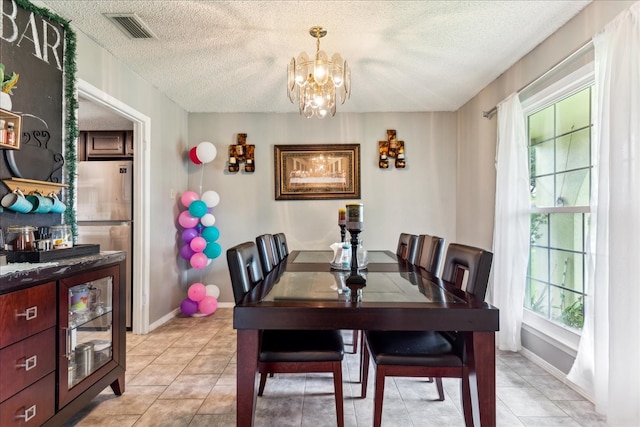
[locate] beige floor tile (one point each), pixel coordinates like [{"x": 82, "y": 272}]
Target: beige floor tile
[
  {"x": 221, "y": 400},
  {"x": 190, "y": 387},
  {"x": 157, "y": 375},
  {"x": 170, "y": 413}
]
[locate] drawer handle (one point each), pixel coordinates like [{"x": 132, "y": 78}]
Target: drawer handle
[
  {"x": 29, "y": 413},
  {"x": 29, "y": 363},
  {"x": 30, "y": 313}
]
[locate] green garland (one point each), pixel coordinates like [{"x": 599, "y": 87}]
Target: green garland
[{"x": 71, "y": 106}]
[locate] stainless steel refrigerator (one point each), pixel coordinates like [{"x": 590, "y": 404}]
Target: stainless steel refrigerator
[{"x": 105, "y": 211}]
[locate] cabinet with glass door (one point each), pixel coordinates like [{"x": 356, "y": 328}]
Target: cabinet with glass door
[{"x": 89, "y": 331}]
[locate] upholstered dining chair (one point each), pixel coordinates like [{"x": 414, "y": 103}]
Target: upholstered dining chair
[
  {"x": 281, "y": 245},
  {"x": 429, "y": 353},
  {"x": 287, "y": 351},
  {"x": 267, "y": 250},
  {"x": 407, "y": 246},
  {"x": 430, "y": 251}
]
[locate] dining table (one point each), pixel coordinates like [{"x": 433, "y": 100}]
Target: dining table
[{"x": 306, "y": 291}]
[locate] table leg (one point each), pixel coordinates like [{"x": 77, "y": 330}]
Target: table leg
[
  {"x": 246, "y": 376},
  {"x": 481, "y": 358}
]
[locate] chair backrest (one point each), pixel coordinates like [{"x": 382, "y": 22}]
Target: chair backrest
[
  {"x": 430, "y": 251},
  {"x": 244, "y": 268},
  {"x": 407, "y": 244},
  {"x": 267, "y": 252},
  {"x": 467, "y": 261},
  {"x": 413, "y": 249},
  {"x": 281, "y": 245}
]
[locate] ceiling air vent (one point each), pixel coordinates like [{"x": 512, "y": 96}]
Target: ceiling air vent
[{"x": 131, "y": 25}]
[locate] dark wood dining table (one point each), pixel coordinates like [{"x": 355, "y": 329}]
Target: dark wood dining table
[{"x": 305, "y": 292}]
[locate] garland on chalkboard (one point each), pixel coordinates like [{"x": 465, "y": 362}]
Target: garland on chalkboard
[{"x": 71, "y": 106}]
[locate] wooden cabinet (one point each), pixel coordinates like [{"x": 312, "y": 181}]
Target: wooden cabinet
[
  {"x": 27, "y": 355},
  {"x": 105, "y": 145},
  {"x": 45, "y": 380}
]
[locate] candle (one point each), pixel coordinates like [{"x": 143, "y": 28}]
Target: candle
[
  {"x": 342, "y": 216},
  {"x": 355, "y": 216}
]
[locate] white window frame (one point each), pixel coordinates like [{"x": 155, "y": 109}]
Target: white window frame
[{"x": 552, "y": 332}]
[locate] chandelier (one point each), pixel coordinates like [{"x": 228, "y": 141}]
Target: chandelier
[{"x": 316, "y": 83}]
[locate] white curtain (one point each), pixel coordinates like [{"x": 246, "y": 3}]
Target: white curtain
[
  {"x": 608, "y": 362},
  {"x": 512, "y": 222}
]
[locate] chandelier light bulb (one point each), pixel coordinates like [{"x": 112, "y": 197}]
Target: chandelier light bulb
[{"x": 313, "y": 83}]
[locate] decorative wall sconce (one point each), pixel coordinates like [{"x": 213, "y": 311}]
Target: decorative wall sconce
[
  {"x": 241, "y": 152},
  {"x": 391, "y": 148}
]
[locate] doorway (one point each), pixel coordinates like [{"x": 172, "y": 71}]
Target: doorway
[{"x": 141, "y": 190}]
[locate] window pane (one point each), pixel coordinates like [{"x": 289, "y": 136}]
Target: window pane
[
  {"x": 539, "y": 264},
  {"x": 567, "y": 308},
  {"x": 573, "y": 113},
  {"x": 542, "y": 194},
  {"x": 541, "y": 161},
  {"x": 541, "y": 125},
  {"x": 572, "y": 188},
  {"x": 537, "y": 297},
  {"x": 567, "y": 231},
  {"x": 572, "y": 151},
  {"x": 566, "y": 269},
  {"x": 539, "y": 234}
]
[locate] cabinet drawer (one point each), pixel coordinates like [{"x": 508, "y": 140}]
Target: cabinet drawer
[
  {"x": 32, "y": 406},
  {"x": 27, "y": 312},
  {"x": 26, "y": 361}
]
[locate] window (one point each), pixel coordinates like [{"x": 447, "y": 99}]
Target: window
[{"x": 560, "y": 137}]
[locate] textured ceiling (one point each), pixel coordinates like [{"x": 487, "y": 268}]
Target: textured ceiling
[{"x": 232, "y": 56}]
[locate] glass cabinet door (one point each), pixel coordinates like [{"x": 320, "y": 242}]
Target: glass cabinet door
[{"x": 86, "y": 329}]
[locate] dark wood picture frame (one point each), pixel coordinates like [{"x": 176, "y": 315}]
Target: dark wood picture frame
[{"x": 317, "y": 171}]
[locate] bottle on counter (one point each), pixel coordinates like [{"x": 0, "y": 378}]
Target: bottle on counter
[{"x": 11, "y": 134}]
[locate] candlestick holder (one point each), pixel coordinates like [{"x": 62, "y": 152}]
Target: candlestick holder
[
  {"x": 343, "y": 232},
  {"x": 355, "y": 282}
]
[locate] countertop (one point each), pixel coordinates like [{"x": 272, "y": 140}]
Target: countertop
[{"x": 16, "y": 276}]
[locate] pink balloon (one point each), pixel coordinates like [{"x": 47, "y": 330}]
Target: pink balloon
[
  {"x": 186, "y": 220},
  {"x": 199, "y": 260},
  {"x": 188, "y": 197},
  {"x": 208, "y": 305},
  {"x": 198, "y": 244},
  {"x": 197, "y": 291}
]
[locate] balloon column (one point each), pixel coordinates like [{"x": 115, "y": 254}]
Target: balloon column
[{"x": 199, "y": 235}]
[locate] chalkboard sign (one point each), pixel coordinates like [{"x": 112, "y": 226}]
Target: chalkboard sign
[{"x": 32, "y": 46}]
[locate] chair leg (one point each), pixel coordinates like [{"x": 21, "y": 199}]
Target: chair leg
[
  {"x": 364, "y": 370},
  {"x": 362, "y": 346},
  {"x": 337, "y": 386},
  {"x": 355, "y": 341},
  {"x": 263, "y": 381},
  {"x": 465, "y": 397},
  {"x": 440, "y": 389},
  {"x": 378, "y": 397}
]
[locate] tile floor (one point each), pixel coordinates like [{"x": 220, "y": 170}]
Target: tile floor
[{"x": 183, "y": 374}]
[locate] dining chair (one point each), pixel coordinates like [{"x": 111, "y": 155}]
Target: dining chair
[
  {"x": 407, "y": 246},
  {"x": 281, "y": 245},
  {"x": 267, "y": 251},
  {"x": 287, "y": 351},
  {"x": 430, "y": 251},
  {"x": 429, "y": 353}
]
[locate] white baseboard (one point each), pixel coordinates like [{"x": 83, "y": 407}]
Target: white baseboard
[
  {"x": 164, "y": 319},
  {"x": 557, "y": 373}
]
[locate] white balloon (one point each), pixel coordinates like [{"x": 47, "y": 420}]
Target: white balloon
[
  {"x": 212, "y": 291},
  {"x": 208, "y": 220},
  {"x": 206, "y": 151},
  {"x": 210, "y": 198}
]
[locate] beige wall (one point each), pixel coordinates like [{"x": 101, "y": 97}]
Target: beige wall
[
  {"x": 418, "y": 199},
  {"x": 168, "y": 164}
]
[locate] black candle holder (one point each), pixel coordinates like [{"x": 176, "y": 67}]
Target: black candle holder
[
  {"x": 355, "y": 282},
  {"x": 343, "y": 232}
]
